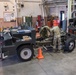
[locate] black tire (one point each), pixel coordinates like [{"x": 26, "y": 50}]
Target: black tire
[
  {"x": 25, "y": 53},
  {"x": 69, "y": 45}
]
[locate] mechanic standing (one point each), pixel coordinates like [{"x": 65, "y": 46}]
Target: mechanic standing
[{"x": 57, "y": 37}]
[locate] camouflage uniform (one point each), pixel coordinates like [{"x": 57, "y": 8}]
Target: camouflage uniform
[{"x": 57, "y": 37}]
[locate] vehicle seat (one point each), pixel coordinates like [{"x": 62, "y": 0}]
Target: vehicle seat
[{"x": 7, "y": 39}]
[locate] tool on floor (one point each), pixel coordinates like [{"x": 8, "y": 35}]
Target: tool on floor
[{"x": 40, "y": 55}]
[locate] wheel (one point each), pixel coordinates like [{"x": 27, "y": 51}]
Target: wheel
[
  {"x": 25, "y": 53},
  {"x": 69, "y": 45}
]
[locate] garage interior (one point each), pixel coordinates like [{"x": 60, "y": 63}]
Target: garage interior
[{"x": 27, "y": 37}]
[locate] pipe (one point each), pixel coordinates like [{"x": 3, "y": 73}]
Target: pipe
[
  {"x": 4, "y": 0},
  {"x": 72, "y": 15},
  {"x": 33, "y": 1}
]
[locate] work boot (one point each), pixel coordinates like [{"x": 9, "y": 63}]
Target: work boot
[
  {"x": 54, "y": 49},
  {"x": 58, "y": 51},
  {"x": 60, "y": 48},
  {"x": 3, "y": 56}
]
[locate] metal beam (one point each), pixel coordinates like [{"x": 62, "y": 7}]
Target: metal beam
[
  {"x": 69, "y": 9},
  {"x": 30, "y": 1},
  {"x": 4, "y": 0}
]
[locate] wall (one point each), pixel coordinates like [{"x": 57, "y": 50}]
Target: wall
[
  {"x": 31, "y": 8},
  {"x": 2, "y": 9},
  {"x": 56, "y": 10}
]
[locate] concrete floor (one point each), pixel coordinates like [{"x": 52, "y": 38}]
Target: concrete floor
[{"x": 52, "y": 64}]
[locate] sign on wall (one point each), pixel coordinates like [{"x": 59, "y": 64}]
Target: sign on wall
[{"x": 9, "y": 17}]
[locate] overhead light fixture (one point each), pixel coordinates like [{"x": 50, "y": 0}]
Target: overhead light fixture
[
  {"x": 21, "y": 4},
  {"x": 6, "y": 6}
]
